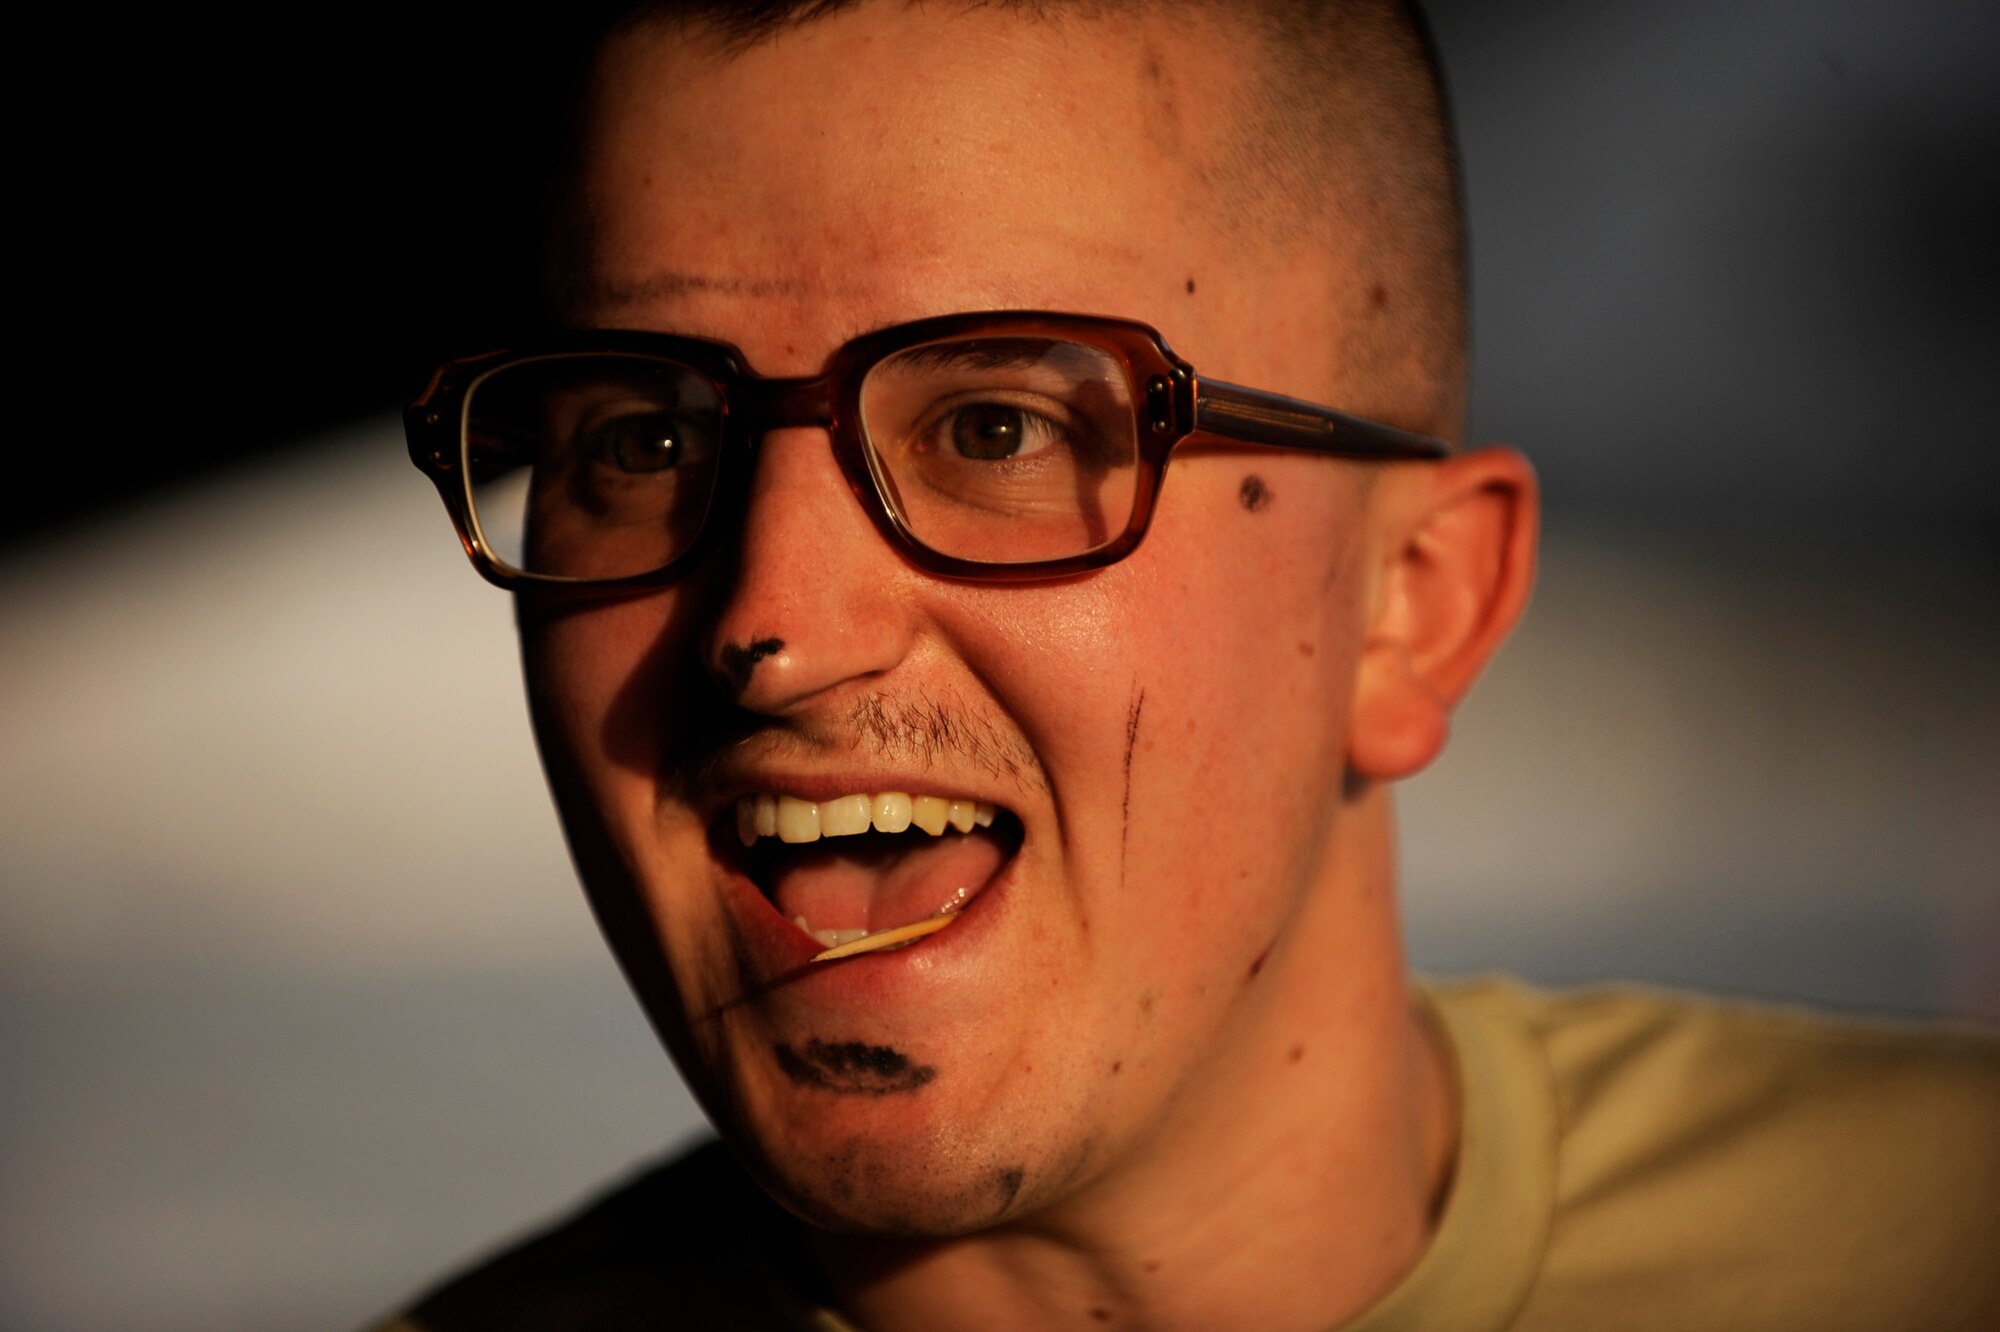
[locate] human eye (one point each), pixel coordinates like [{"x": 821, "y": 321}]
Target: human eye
[
  {"x": 634, "y": 442},
  {"x": 633, "y": 460},
  {"x": 993, "y": 430}
]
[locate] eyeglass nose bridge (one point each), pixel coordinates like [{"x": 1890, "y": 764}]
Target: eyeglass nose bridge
[
  {"x": 774, "y": 404},
  {"x": 760, "y": 406}
]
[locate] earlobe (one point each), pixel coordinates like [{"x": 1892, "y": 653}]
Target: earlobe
[
  {"x": 1398, "y": 725},
  {"x": 1457, "y": 551}
]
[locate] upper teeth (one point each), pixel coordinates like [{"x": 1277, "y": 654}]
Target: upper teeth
[{"x": 790, "y": 819}]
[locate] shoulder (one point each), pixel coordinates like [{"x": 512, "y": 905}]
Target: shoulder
[
  {"x": 689, "y": 1244},
  {"x": 1629, "y": 1058},
  {"x": 1757, "y": 1166},
  {"x": 1633, "y": 1065}
]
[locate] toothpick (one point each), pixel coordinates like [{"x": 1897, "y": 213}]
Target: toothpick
[{"x": 868, "y": 943}]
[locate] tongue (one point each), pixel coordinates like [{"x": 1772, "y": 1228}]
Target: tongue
[{"x": 887, "y": 885}]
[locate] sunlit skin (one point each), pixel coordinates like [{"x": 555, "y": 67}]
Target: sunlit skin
[{"x": 1175, "y": 1077}]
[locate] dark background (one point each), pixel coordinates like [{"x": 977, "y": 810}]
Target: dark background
[{"x": 252, "y": 234}]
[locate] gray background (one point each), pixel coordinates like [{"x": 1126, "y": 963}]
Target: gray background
[{"x": 298, "y": 1001}]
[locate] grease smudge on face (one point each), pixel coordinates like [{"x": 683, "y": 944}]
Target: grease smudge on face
[
  {"x": 852, "y": 1068},
  {"x": 739, "y": 663},
  {"x": 1131, "y": 741},
  {"x": 1253, "y": 494}
]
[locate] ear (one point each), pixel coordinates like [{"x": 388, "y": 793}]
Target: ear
[{"x": 1455, "y": 545}]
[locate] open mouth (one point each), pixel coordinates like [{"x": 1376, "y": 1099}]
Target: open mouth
[{"x": 867, "y": 872}]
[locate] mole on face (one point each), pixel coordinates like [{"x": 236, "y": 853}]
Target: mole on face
[
  {"x": 1253, "y": 494},
  {"x": 1010, "y": 1181},
  {"x": 739, "y": 663},
  {"x": 852, "y": 1068}
]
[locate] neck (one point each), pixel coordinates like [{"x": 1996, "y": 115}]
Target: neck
[{"x": 1290, "y": 1189}]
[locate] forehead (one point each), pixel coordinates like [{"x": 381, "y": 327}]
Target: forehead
[{"x": 893, "y": 161}]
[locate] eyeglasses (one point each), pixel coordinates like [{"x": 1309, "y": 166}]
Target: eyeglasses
[{"x": 1006, "y": 446}]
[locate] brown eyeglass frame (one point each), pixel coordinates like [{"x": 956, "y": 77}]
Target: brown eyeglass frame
[{"x": 1177, "y": 404}]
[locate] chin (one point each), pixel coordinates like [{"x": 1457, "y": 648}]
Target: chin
[
  {"x": 933, "y": 1154},
  {"x": 889, "y": 1186}
]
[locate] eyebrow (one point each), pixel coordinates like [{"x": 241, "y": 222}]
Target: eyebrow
[{"x": 994, "y": 354}]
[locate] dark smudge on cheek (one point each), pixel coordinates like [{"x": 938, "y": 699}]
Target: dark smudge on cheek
[
  {"x": 852, "y": 1068},
  {"x": 1009, "y": 1182},
  {"x": 739, "y": 662},
  {"x": 1131, "y": 741},
  {"x": 1253, "y": 494}
]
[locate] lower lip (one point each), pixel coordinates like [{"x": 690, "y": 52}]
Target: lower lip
[{"x": 777, "y": 955}]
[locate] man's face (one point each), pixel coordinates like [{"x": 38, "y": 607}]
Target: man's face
[{"x": 1165, "y": 737}]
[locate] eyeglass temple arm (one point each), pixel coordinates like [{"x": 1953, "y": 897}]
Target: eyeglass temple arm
[{"x": 1256, "y": 417}]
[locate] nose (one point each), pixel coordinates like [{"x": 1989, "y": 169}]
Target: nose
[{"x": 814, "y": 601}]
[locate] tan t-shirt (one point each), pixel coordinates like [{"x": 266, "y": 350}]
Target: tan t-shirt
[
  {"x": 1628, "y": 1160},
  {"x": 1638, "y": 1160}
]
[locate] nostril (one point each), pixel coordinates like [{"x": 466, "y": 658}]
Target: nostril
[{"x": 739, "y": 662}]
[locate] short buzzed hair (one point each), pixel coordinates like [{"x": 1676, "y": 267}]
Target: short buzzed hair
[
  {"x": 1343, "y": 128},
  {"x": 1349, "y": 133}
]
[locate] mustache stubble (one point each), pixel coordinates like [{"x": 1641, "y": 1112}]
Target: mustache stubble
[{"x": 918, "y": 733}]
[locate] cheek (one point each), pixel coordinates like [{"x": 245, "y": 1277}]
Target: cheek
[
  {"x": 1255, "y": 599},
  {"x": 1246, "y": 650},
  {"x": 600, "y": 680}
]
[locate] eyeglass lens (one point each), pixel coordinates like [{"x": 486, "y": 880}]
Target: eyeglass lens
[
  {"x": 592, "y": 465},
  {"x": 1003, "y": 450}
]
